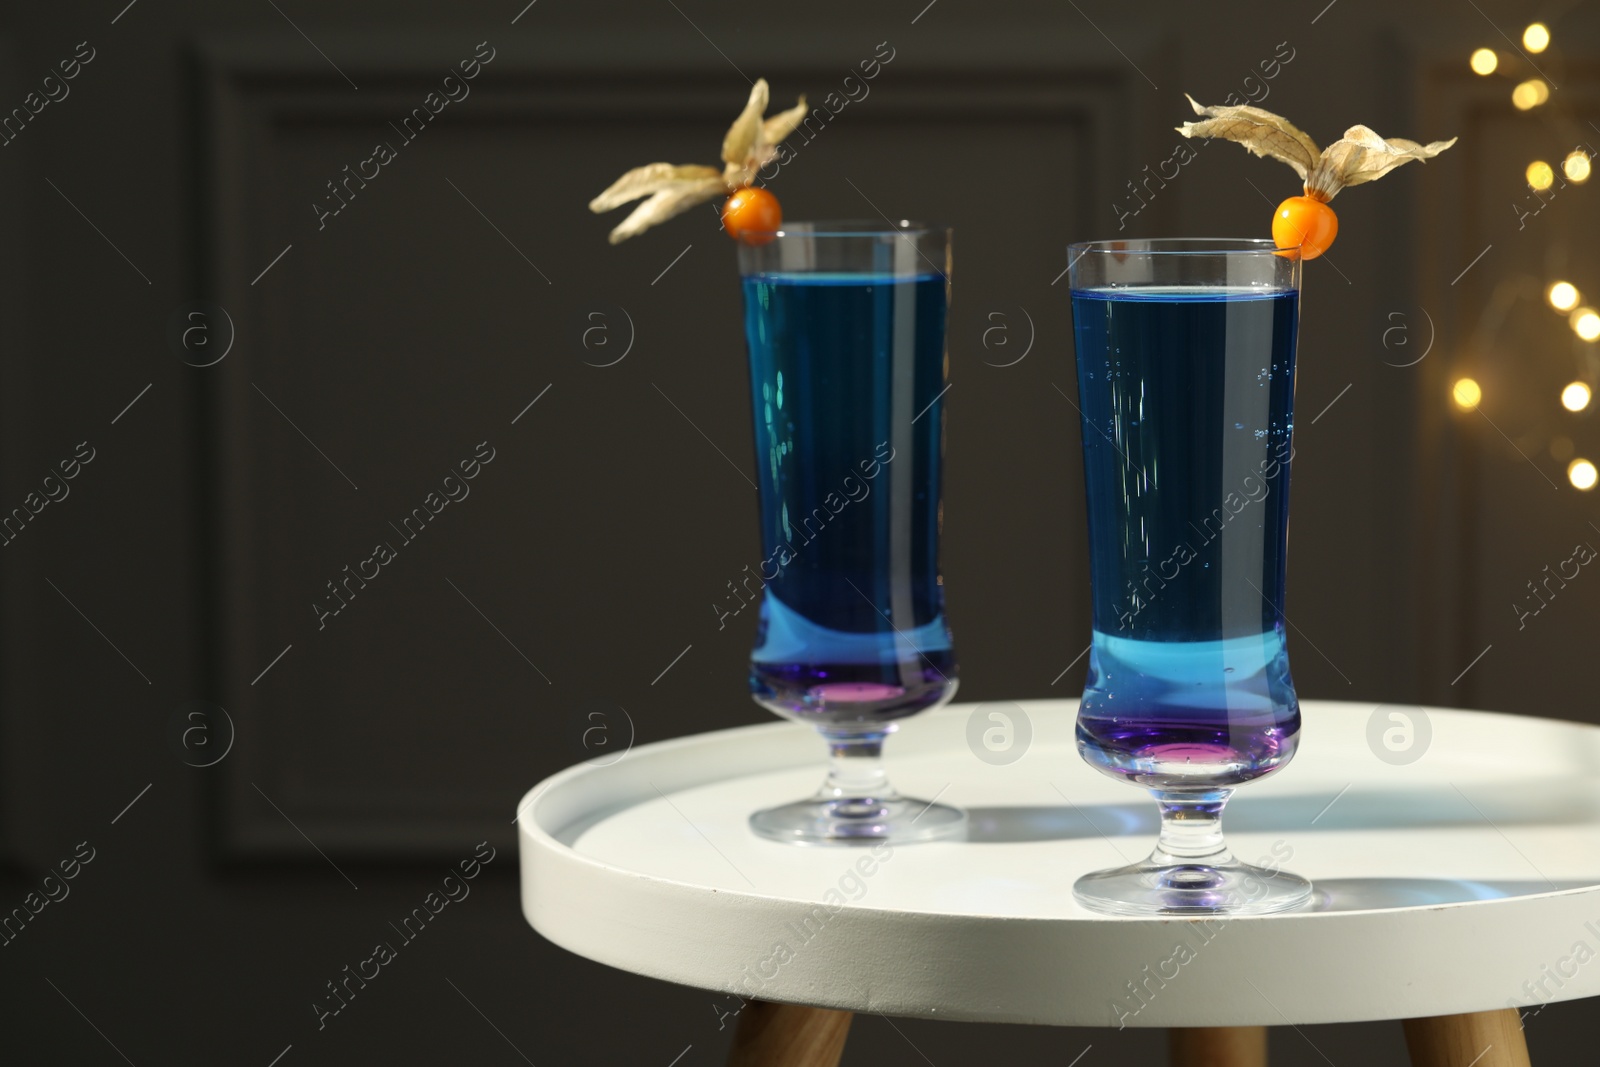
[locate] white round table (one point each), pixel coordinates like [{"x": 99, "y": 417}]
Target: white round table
[{"x": 1457, "y": 867}]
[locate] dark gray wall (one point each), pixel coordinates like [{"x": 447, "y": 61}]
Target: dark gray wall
[{"x": 384, "y": 345}]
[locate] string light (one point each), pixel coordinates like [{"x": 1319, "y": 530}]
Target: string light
[
  {"x": 1484, "y": 61},
  {"x": 1563, "y": 296},
  {"x": 1585, "y": 323},
  {"x": 1466, "y": 393},
  {"x": 1530, "y": 94}
]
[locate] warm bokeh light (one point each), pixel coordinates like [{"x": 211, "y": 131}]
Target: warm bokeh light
[
  {"x": 1536, "y": 38},
  {"x": 1575, "y": 397},
  {"x": 1585, "y": 323},
  {"x": 1539, "y": 175},
  {"x": 1484, "y": 61},
  {"x": 1581, "y": 473},
  {"x": 1466, "y": 394},
  {"x": 1529, "y": 94},
  {"x": 1563, "y": 296},
  {"x": 1576, "y": 166}
]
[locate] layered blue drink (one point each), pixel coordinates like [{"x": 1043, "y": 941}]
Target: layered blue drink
[
  {"x": 846, "y": 374},
  {"x": 1185, "y": 359},
  {"x": 845, "y": 328},
  {"x": 1187, "y": 396}
]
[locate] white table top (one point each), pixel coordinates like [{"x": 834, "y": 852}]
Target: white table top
[{"x": 1444, "y": 885}]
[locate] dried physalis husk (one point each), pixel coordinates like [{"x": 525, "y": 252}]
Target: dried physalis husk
[
  {"x": 1359, "y": 156},
  {"x": 750, "y": 144}
]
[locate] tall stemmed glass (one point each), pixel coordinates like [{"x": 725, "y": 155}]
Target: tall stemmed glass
[
  {"x": 1185, "y": 353},
  {"x": 845, "y": 324}
]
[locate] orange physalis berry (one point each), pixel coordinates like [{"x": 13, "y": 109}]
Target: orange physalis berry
[
  {"x": 754, "y": 212},
  {"x": 1306, "y": 222}
]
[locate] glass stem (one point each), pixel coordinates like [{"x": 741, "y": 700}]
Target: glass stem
[
  {"x": 1191, "y": 829},
  {"x": 855, "y": 767}
]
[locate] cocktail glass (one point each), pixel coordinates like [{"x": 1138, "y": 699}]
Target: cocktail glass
[
  {"x": 1185, "y": 356},
  {"x": 845, "y": 326}
]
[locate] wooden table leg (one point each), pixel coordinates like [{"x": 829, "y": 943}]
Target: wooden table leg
[
  {"x": 1219, "y": 1046},
  {"x": 1481, "y": 1039},
  {"x": 788, "y": 1035}
]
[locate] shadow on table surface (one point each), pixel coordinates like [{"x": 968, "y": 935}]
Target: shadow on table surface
[
  {"x": 1522, "y": 802},
  {"x": 1504, "y": 804},
  {"x": 1361, "y": 894}
]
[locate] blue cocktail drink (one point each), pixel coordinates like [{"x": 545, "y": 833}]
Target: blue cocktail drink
[
  {"x": 1186, "y": 440},
  {"x": 845, "y": 327},
  {"x": 850, "y": 634},
  {"x": 1185, "y": 357}
]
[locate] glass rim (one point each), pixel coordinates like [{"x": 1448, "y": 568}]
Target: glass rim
[
  {"x": 845, "y": 228},
  {"x": 1179, "y": 246}
]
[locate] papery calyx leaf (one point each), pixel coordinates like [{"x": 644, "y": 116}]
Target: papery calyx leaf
[
  {"x": 1361, "y": 156},
  {"x": 1262, "y": 132},
  {"x": 741, "y": 136},
  {"x": 667, "y": 203},
  {"x": 651, "y": 178}
]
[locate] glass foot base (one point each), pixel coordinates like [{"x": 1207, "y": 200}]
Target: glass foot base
[
  {"x": 1229, "y": 888},
  {"x": 843, "y": 821}
]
